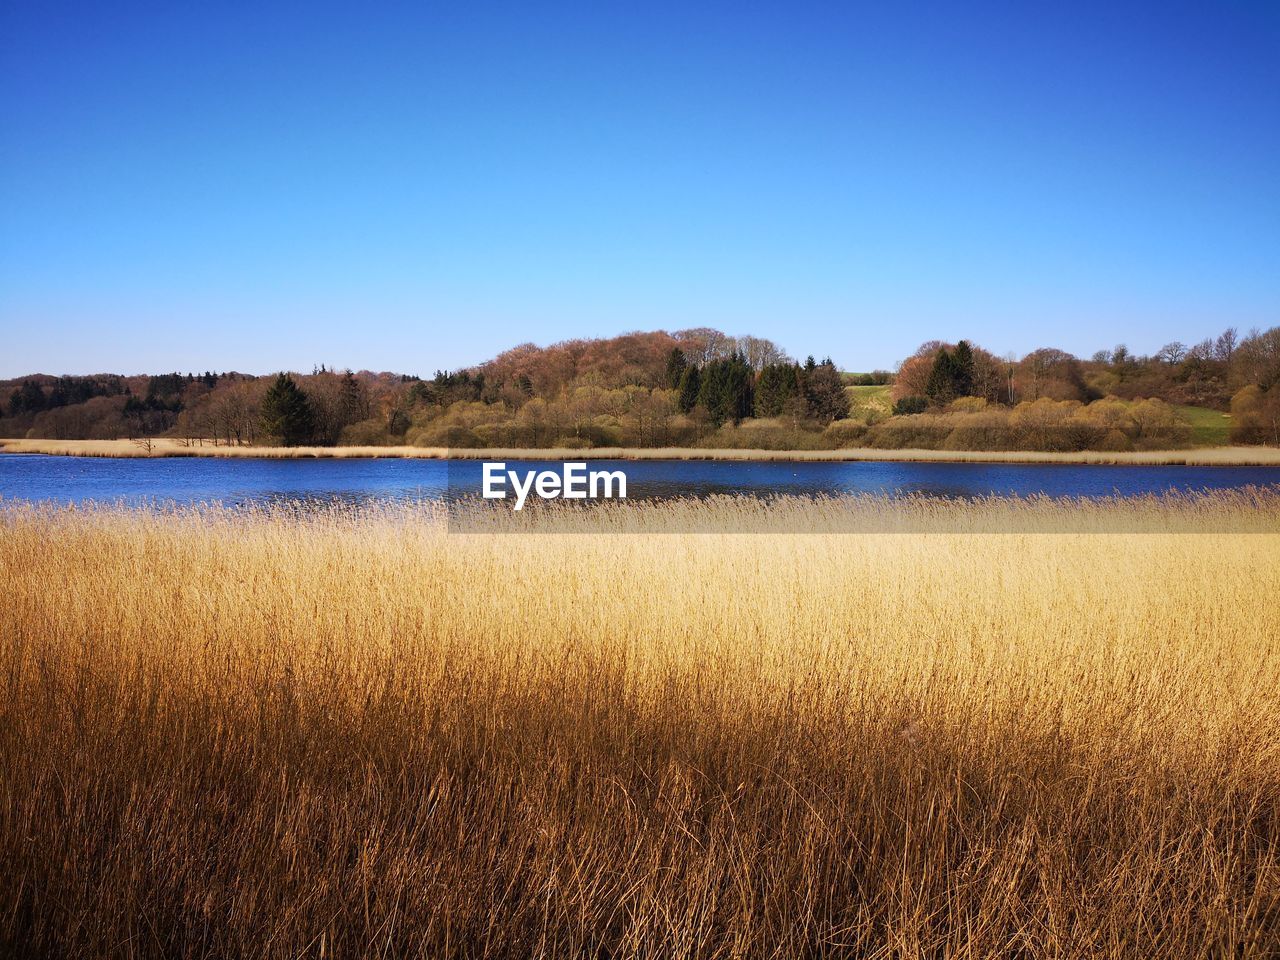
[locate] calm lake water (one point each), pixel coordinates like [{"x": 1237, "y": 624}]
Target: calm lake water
[{"x": 245, "y": 481}]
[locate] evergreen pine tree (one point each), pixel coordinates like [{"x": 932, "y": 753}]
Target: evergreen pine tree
[
  {"x": 676, "y": 365},
  {"x": 941, "y": 385},
  {"x": 962, "y": 372},
  {"x": 712, "y": 392},
  {"x": 778, "y": 383},
  {"x": 352, "y": 398},
  {"x": 825, "y": 396},
  {"x": 740, "y": 384},
  {"x": 287, "y": 414},
  {"x": 28, "y": 398},
  {"x": 690, "y": 387},
  {"x": 726, "y": 391}
]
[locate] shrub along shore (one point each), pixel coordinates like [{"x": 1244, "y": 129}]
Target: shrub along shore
[{"x": 164, "y": 447}]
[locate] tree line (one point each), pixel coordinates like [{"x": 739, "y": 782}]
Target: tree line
[
  {"x": 1229, "y": 373},
  {"x": 695, "y": 387}
]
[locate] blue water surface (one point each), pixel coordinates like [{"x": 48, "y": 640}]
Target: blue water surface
[{"x": 136, "y": 481}]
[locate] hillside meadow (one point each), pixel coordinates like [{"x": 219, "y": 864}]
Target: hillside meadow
[{"x": 339, "y": 733}]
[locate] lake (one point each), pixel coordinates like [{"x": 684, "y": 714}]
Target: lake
[{"x": 69, "y": 480}]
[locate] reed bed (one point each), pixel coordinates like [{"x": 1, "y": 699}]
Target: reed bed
[
  {"x": 351, "y": 733},
  {"x": 166, "y": 447}
]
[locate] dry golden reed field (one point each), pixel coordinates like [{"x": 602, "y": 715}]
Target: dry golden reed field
[{"x": 353, "y": 733}]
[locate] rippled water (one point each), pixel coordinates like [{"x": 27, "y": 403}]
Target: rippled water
[{"x": 245, "y": 481}]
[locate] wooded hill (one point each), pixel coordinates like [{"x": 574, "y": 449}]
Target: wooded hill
[{"x": 697, "y": 387}]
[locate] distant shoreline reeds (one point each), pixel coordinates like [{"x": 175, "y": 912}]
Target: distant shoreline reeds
[{"x": 165, "y": 447}]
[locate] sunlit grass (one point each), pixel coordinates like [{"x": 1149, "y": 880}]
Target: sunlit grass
[
  {"x": 870, "y": 402},
  {"x": 1210, "y": 428},
  {"x": 341, "y": 733}
]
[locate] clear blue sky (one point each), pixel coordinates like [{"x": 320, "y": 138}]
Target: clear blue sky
[{"x": 259, "y": 186}]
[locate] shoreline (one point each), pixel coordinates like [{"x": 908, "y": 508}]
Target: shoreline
[{"x": 168, "y": 448}]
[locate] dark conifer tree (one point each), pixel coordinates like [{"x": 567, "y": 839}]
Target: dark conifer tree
[
  {"x": 741, "y": 387},
  {"x": 962, "y": 370},
  {"x": 287, "y": 414},
  {"x": 353, "y": 403},
  {"x": 711, "y": 393},
  {"x": 28, "y": 398},
  {"x": 676, "y": 366},
  {"x": 726, "y": 391},
  {"x": 941, "y": 385},
  {"x": 825, "y": 395},
  {"x": 690, "y": 387},
  {"x": 778, "y": 383}
]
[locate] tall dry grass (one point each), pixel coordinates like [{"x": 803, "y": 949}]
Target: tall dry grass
[
  {"x": 167, "y": 447},
  {"x": 264, "y": 734}
]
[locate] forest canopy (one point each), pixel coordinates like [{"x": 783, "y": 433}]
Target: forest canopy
[{"x": 698, "y": 388}]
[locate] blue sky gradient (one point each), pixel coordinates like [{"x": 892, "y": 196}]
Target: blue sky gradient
[{"x": 412, "y": 187}]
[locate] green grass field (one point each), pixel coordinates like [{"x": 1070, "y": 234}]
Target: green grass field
[
  {"x": 869, "y": 403},
  {"x": 1211, "y": 428}
]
